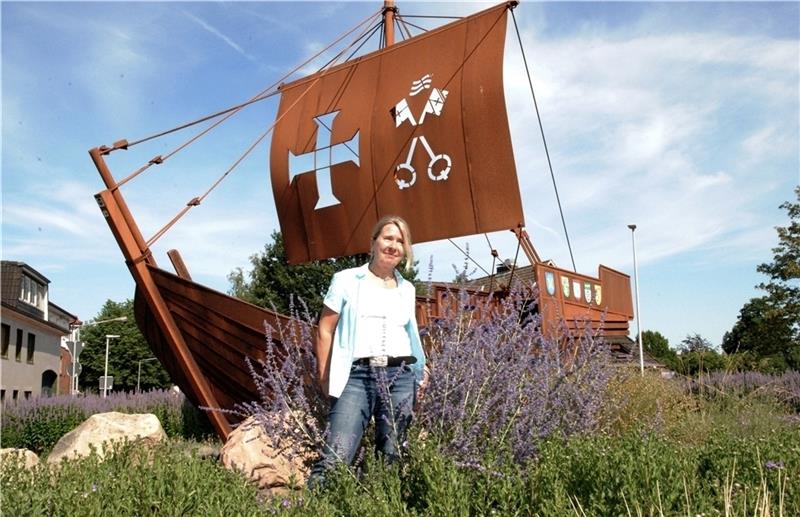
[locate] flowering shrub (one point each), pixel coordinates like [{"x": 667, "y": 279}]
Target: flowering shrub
[
  {"x": 291, "y": 407},
  {"x": 38, "y": 423},
  {"x": 783, "y": 388},
  {"x": 493, "y": 380},
  {"x": 499, "y": 385}
]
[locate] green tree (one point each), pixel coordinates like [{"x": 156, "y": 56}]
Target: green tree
[
  {"x": 657, "y": 346},
  {"x": 769, "y": 326},
  {"x": 696, "y": 343},
  {"x": 124, "y": 352},
  {"x": 273, "y": 282},
  {"x": 698, "y": 355}
]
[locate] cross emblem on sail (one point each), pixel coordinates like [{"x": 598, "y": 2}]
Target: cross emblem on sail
[
  {"x": 352, "y": 143},
  {"x": 323, "y": 157}
]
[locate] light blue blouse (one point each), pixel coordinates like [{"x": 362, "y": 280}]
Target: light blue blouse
[{"x": 342, "y": 298}]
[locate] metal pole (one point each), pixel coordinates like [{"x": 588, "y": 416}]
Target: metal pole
[
  {"x": 105, "y": 370},
  {"x": 75, "y": 341},
  {"x": 73, "y": 381},
  {"x": 638, "y": 311},
  {"x": 139, "y": 375}
]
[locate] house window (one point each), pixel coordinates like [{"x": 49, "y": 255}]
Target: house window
[
  {"x": 31, "y": 346},
  {"x": 18, "y": 349},
  {"x": 2, "y": 396},
  {"x": 28, "y": 394},
  {"x": 6, "y": 340},
  {"x": 32, "y": 292},
  {"x": 15, "y": 395}
]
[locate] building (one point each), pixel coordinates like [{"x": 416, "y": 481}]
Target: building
[{"x": 33, "y": 328}]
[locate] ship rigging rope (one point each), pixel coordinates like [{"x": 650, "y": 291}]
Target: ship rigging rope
[
  {"x": 401, "y": 25},
  {"x": 544, "y": 140},
  {"x": 267, "y": 92},
  {"x": 197, "y": 200}
]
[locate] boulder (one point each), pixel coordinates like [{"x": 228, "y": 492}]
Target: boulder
[
  {"x": 28, "y": 458},
  {"x": 251, "y": 452},
  {"x": 100, "y": 429}
]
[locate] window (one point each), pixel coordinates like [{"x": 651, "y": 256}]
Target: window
[
  {"x": 18, "y": 349},
  {"x": 2, "y": 396},
  {"x": 31, "y": 346},
  {"x": 28, "y": 394},
  {"x": 15, "y": 395},
  {"x": 6, "y": 340},
  {"x": 32, "y": 292}
]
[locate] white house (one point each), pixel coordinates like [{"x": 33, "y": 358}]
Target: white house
[{"x": 32, "y": 331}]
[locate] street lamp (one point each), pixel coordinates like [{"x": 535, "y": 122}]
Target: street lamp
[
  {"x": 638, "y": 311},
  {"x": 109, "y": 337},
  {"x": 139, "y": 375},
  {"x": 76, "y": 340}
]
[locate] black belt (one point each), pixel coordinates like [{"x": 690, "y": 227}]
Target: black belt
[{"x": 390, "y": 361}]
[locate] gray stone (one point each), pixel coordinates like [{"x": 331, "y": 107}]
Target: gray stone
[
  {"x": 28, "y": 458},
  {"x": 100, "y": 430},
  {"x": 251, "y": 452}
]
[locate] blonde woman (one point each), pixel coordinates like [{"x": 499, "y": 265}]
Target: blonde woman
[{"x": 369, "y": 354}]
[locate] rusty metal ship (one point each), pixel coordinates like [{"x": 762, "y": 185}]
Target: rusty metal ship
[{"x": 416, "y": 128}]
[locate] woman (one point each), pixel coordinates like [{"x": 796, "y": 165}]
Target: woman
[{"x": 368, "y": 349}]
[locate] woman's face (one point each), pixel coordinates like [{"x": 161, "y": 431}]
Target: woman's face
[{"x": 387, "y": 248}]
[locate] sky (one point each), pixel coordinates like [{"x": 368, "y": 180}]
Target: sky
[{"x": 681, "y": 118}]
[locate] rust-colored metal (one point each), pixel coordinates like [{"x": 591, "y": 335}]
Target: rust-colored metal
[
  {"x": 220, "y": 332},
  {"x": 179, "y": 265},
  {"x": 342, "y": 158},
  {"x": 389, "y": 11},
  {"x": 570, "y": 298},
  {"x": 527, "y": 245},
  {"x": 139, "y": 259}
]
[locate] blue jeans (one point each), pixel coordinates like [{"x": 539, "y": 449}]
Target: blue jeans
[{"x": 387, "y": 394}]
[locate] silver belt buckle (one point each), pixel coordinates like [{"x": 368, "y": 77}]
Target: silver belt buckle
[{"x": 379, "y": 361}]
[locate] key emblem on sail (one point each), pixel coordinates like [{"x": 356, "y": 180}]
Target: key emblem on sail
[
  {"x": 403, "y": 114},
  {"x": 417, "y": 129}
]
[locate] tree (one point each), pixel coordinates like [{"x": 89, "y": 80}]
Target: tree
[
  {"x": 697, "y": 355},
  {"x": 655, "y": 344},
  {"x": 696, "y": 343},
  {"x": 124, "y": 354},
  {"x": 272, "y": 282},
  {"x": 769, "y": 326}
]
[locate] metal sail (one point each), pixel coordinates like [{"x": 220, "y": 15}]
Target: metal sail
[{"x": 418, "y": 129}]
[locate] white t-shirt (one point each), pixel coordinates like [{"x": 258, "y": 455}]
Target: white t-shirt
[{"x": 381, "y": 319}]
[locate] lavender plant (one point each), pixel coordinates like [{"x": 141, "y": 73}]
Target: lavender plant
[
  {"x": 499, "y": 385},
  {"x": 38, "y": 423},
  {"x": 292, "y": 408},
  {"x": 783, "y": 388}
]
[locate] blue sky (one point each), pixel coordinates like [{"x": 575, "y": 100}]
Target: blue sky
[{"x": 682, "y": 118}]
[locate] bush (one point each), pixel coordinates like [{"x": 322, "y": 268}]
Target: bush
[
  {"x": 131, "y": 481},
  {"x": 647, "y": 404},
  {"x": 38, "y": 423},
  {"x": 499, "y": 386}
]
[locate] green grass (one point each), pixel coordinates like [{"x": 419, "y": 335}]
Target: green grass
[{"x": 659, "y": 452}]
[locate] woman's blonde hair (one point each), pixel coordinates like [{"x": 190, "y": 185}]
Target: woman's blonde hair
[{"x": 402, "y": 225}]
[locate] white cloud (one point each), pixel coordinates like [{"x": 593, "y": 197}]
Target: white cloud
[{"x": 216, "y": 32}]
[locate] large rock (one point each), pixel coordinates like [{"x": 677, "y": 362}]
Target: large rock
[
  {"x": 28, "y": 458},
  {"x": 251, "y": 452},
  {"x": 102, "y": 428}
]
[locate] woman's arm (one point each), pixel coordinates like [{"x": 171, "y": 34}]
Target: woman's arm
[{"x": 322, "y": 347}]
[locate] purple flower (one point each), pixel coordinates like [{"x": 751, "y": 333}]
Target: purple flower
[{"x": 773, "y": 465}]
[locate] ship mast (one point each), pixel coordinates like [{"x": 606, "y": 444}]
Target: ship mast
[{"x": 389, "y": 10}]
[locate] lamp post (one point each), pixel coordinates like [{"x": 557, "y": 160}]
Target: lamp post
[
  {"x": 109, "y": 337},
  {"x": 76, "y": 336},
  {"x": 139, "y": 375},
  {"x": 638, "y": 311}
]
